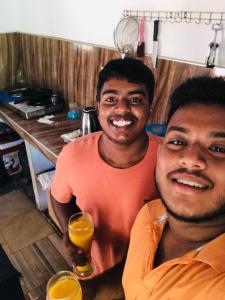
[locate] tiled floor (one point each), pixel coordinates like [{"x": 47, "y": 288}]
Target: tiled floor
[{"x": 31, "y": 243}]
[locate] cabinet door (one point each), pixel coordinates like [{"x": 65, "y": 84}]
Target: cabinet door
[{"x": 38, "y": 164}]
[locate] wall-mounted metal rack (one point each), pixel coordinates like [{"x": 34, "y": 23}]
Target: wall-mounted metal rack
[{"x": 178, "y": 16}]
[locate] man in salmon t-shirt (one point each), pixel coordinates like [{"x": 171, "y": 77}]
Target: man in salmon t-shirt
[{"x": 111, "y": 172}]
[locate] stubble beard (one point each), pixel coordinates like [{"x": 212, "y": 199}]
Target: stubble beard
[{"x": 219, "y": 211}]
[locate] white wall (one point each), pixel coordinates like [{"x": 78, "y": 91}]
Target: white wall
[
  {"x": 94, "y": 21},
  {"x": 8, "y": 16}
]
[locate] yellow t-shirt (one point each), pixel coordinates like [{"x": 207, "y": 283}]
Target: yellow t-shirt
[
  {"x": 112, "y": 196},
  {"x": 198, "y": 275}
]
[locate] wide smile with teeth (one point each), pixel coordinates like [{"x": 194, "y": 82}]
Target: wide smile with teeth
[
  {"x": 121, "y": 123},
  {"x": 191, "y": 183}
]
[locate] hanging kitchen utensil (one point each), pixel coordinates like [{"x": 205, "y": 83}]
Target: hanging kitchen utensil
[
  {"x": 126, "y": 36},
  {"x": 155, "y": 43},
  {"x": 210, "y": 61},
  {"x": 141, "y": 42}
]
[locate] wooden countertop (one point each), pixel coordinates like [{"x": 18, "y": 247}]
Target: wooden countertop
[{"x": 45, "y": 138}]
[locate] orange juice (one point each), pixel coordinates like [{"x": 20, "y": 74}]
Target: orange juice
[
  {"x": 81, "y": 234},
  {"x": 81, "y": 230},
  {"x": 64, "y": 286}
]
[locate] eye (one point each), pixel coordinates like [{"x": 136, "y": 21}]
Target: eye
[
  {"x": 176, "y": 144},
  {"x": 218, "y": 149},
  {"x": 136, "y": 100},
  {"x": 110, "y": 100}
]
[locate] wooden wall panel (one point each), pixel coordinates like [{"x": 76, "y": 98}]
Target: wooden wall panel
[
  {"x": 9, "y": 59},
  {"x": 65, "y": 66},
  {"x": 170, "y": 74},
  {"x": 72, "y": 68}
]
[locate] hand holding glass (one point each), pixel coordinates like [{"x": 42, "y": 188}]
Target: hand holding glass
[
  {"x": 64, "y": 286},
  {"x": 81, "y": 231}
]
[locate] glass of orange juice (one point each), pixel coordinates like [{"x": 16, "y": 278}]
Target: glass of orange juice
[
  {"x": 81, "y": 231},
  {"x": 64, "y": 286}
]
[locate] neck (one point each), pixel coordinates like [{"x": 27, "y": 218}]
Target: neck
[
  {"x": 180, "y": 237},
  {"x": 122, "y": 155},
  {"x": 196, "y": 233}
]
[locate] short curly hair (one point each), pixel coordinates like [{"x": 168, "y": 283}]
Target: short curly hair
[
  {"x": 131, "y": 69},
  {"x": 203, "y": 90}
]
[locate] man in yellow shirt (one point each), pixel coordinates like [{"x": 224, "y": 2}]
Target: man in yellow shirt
[{"x": 177, "y": 243}]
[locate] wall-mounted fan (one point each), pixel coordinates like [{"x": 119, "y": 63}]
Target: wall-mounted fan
[{"x": 126, "y": 36}]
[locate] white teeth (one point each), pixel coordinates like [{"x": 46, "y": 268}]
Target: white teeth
[
  {"x": 121, "y": 123},
  {"x": 190, "y": 183}
]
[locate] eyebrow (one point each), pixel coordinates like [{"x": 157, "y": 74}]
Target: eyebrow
[
  {"x": 218, "y": 134},
  {"x": 133, "y": 92},
  {"x": 177, "y": 128},
  {"x": 215, "y": 134}
]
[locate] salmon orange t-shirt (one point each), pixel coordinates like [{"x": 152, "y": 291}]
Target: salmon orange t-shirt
[
  {"x": 198, "y": 275},
  {"x": 112, "y": 196}
]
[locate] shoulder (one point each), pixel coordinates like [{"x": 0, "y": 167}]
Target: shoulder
[
  {"x": 154, "y": 209},
  {"x": 79, "y": 150},
  {"x": 83, "y": 144},
  {"x": 153, "y": 145},
  {"x": 155, "y": 140},
  {"x": 150, "y": 212}
]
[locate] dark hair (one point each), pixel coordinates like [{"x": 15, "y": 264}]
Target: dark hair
[
  {"x": 131, "y": 69},
  {"x": 202, "y": 90}
]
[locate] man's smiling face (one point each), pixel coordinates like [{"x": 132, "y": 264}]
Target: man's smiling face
[
  {"x": 123, "y": 110},
  {"x": 190, "y": 168}
]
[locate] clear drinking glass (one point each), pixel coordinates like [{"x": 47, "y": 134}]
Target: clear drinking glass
[
  {"x": 64, "y": 286},
  {"x": 81, "y": 231}
]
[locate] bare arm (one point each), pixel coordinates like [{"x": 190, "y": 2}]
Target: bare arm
[{"x": 63, "y": 211}]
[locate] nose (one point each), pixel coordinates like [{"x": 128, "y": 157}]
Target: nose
[
  {"x": 193, "y": 158},
  {"x": 122, "y": 105}
]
